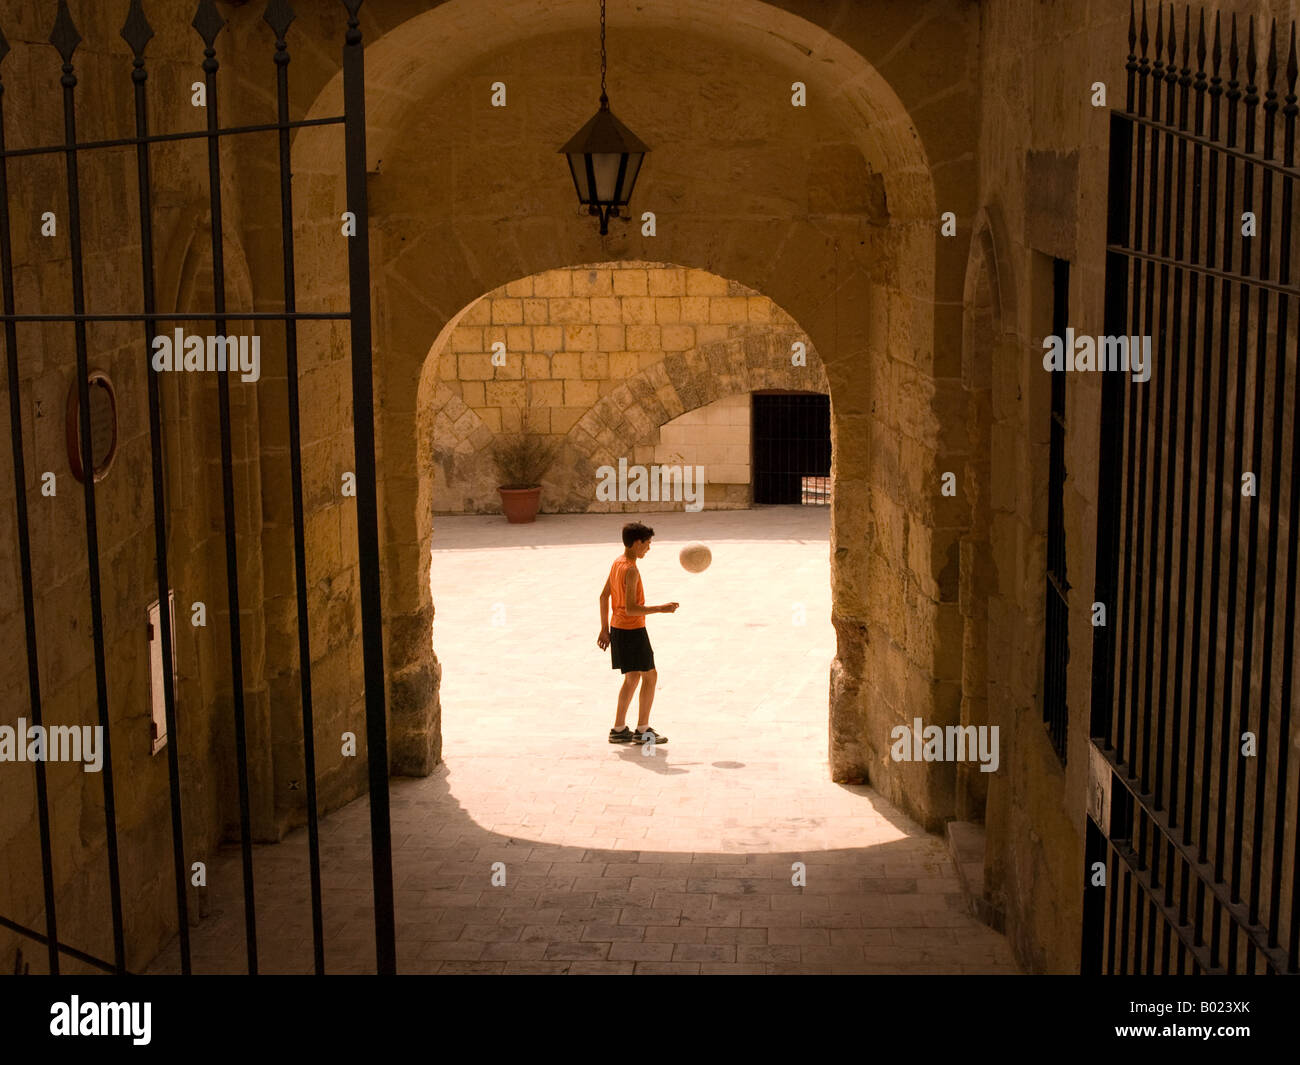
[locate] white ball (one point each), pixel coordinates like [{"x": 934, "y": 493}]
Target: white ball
[{"x": 695, "y": 558}]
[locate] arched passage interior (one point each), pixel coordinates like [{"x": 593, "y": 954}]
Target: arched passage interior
[{"x": 829, "y": 210}]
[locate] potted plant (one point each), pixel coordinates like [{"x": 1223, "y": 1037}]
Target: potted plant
[{"x": 522, "y": 460}]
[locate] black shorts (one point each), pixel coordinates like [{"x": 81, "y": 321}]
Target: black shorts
[{"x": 630, "y": 650}]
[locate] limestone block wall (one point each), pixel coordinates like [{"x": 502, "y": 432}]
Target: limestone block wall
[
  {"x": 45, "y": 358},
  {"x": 588, "y": 352},
  {"x": 1042, "y": 189},
  {"x": 716, "y": 437},
  {"x": 831, "y": 211}
]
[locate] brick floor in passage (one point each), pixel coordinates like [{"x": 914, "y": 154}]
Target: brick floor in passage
[{"x": 616, "y": 860}]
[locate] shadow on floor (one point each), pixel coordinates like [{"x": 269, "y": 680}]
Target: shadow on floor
[{"x": 893, "y": 907}]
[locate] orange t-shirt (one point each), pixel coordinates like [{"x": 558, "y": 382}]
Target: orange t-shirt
[{"x": 617, "y": 581}]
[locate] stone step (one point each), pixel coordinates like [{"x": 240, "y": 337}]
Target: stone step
[{"x": 966, "y": 843}]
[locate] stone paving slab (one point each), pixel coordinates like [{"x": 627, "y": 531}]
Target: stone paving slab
[{"x": 615, "y": 860}]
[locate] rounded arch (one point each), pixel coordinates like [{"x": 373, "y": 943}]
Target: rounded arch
[
  {"x": 399, "y": 75},
  {"x": 986, "y": 318},
  {"x": 455, "y": 441},
  {"x": 631, "y": 414},
  {"x": 828, "y": 210}
]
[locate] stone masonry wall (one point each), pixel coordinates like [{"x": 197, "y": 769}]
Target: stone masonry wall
[{"x": 577, "y": 342}]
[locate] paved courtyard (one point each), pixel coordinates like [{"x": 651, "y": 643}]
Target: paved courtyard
[{"x": 615, "y": 859}]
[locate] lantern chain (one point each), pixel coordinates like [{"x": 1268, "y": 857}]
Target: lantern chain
[{"x": 604, "y": 99}]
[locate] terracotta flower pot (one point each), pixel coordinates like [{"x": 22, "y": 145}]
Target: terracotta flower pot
[{"x": 520, "y": 504}]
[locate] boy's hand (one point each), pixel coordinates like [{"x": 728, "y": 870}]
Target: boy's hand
[
  {"x": 602, "y": 641},
  {"x": 670, "y": 608}
]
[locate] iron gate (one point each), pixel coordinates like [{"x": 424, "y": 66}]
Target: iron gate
[
  {"x": 1193, "y": 799},
  {"x": 792, "y": 448},
  {"x": 137, "y": 32}
]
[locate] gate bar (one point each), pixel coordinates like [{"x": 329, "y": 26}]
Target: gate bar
[
  {"x": 25, "y": 539},
  {"x": 1213, "y": 339},
  {"x": 1117, "y": 719},
  {"x": 1198, "y": 726},
  {"x": 1222, "y": 471},
  {"x": 57, "y": 948},
  {"x": 208, "y": 24},
  {"x": 161, "y": 138},
  {"x": 137, "y": 32},
  {"x": 1112, "y": 422},
  {"x": 1147, "y": 513},
  {"x": 176, "y": 316},
  {"x": 65, "y": 39},
  {"x": 278, "y": 15},
  {"x": 1146, "y": 811},
  {"x": 1155, "y": 545},
  {"x": 1238, "y": 455},
  {"x": 1288, "y": 629},
  {"x": 1239, "y": 154},
  {"x": 1259, "y": 765},
  {"x": 1225, "y": 475},
  {"x": 1171, "y": 612},
  {"x": 1205, "y": 271},
  {"x": 363, "y": 426},
  {"x": 1134, "y": 634}
]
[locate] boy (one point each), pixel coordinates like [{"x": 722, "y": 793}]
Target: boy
[{"x": 631, "y": 652}]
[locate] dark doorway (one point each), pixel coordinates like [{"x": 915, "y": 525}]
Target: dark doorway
[{"x": 792, "y": 447}]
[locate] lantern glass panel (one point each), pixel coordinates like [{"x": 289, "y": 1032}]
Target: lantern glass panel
[
  {"x": 578, "y": 170},
  {"x": 605, "y": 166},
  {"x": 634, "y": 162}
]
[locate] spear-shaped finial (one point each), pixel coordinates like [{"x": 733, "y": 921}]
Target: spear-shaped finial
[
  {"x": 208, "y": 22},
  {"x": 1173, "y": 41},
  {"x": 1251, "y": 65},
  {"x": 1270, "y": 64},
  {"x": 136, "y": 30},
  {"x": 1291, "y": 71},
  {"x": 1216, "y": 54},
  {"x": 1233, "y": 57},
  {"x": 278, "y": 15},
  {"x": 1187, "y": 48},
  {"x": 1160, "y": 37},
  {"x": 64, "y": 36}
]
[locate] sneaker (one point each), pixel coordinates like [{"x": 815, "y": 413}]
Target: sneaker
[
  {"x": 647, "y": 736},
  {"x": 623, "y": 735}
]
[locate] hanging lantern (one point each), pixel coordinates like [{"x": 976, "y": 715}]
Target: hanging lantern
[{"x": 604, "y": 156}]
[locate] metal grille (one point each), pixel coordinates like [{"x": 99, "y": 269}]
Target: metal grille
[
  {"x": 1195, "y": 663},
  {"x": 137, "y": 33},
  {"x": 792, "y": 448},
  {"x": 815, "y": 491}
]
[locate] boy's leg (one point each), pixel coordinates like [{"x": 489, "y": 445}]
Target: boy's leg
[
  {"x": 648, "y": 679},
  {"x": 625, "y": 698}
]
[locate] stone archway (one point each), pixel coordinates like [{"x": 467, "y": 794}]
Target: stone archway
[
  {"x": 830, "y": 211},
  {"x": 988, "y": 330},
  {"x": 455, "y": 441},
  {"x": 630, "y": 416}
]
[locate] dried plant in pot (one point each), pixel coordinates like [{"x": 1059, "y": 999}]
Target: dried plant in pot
[{"x": 522, "y": 460}]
